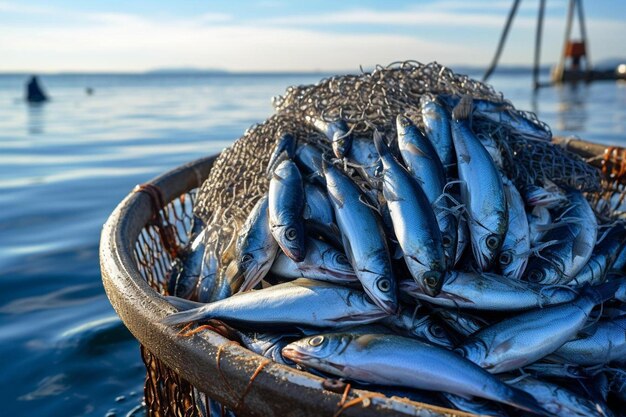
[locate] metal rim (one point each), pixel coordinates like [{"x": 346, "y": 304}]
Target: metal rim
[{"x": 210, "y": 362}]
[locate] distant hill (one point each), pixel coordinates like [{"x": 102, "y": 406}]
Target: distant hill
[{"x": 187, "y": 70}]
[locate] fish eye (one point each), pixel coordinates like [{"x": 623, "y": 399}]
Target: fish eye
[
  {"x": 431, "y": 278},
  {"x": 246, "y": 258},
  {"x": 506, "y": 258},
  {"x": 536, "y": 275},
  {"x": 493, "y": 242},
  {"x": 437, "y": 330},
  {"x": 291, "y": 233},
  {"x": 316, "y": 341},
  {"x": 384, "y": 285},
  {"x": 341, "y": 259},
  {"x": 447, "y": 241}
]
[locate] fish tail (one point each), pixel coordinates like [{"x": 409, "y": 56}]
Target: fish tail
[
  {"x": 525, "y": 401},
  {"x": 463, "y": 110}
]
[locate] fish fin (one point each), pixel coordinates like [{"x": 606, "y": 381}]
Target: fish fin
[
  {"x": 603, "y": 292},
  {"x": 414, "y": 149},
  {"x": 463, "y": 110},
  {"x": 379, "y": 143},
  {"x": 580, "y": 246},
  {"x": 189, "y": 316},
  {"x": 525, "y": 401},
  {"x": 504, "y": 346},
  {"x": 182, "y": 304}
]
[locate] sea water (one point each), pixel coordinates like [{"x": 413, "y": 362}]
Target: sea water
[{"x": 66, "y": 164}]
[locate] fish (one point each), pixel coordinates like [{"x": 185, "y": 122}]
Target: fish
[
  {"x": 475, "y": 406},
  {"x": 322, "y": 262},
  {"x": 462, "y": 239},
  {"x": 363, "y": 153},
  {"x": 503, "y": 114},
  {"x": 337, "y": 131},
  {"x": 269, "y": 345},
  {"x": 213, "y": 284},
  {"x": 482, "y": 191},
  {"x": 319, "y": 215},
  {"x": 285, "y": 148},
  {"x": 286, "y": 204},
  {"x": 488, "y": 292},
  {"x": 363, "y": 239},
  {"x": 462, "y": 323},
  {"x": 391, "y": 360},
  {"x": 599, "y": 344},
  {"x": 255, "y": 248},
  {"x": 414, "y": 223},
  {"x": 436, "y": 120},
  {"x": 422, "y": 162},
  {"x": 308, "y": 157},
  {"x": 557, "y": 400},
  {"x": 527, "y": 337},
  {"x": 186, "y": 269},
  {"x": 291, "y": 305},
  {"x": 513, "y": 256},
  {"x": 539, "y": 220},
  {"x": 549, "y": 195},
  {"x": 574, "y": 238},
  {"x": 602, "y": 257},
  {"x": 421, "y": 326}
]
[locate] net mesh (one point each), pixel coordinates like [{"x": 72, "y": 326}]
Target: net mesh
[{"x": 368, "y": 102}]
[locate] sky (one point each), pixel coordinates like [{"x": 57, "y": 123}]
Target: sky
[{"x": 276, "y": 35}]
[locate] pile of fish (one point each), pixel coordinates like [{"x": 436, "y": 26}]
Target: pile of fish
[{"x": 411, "y": 265}]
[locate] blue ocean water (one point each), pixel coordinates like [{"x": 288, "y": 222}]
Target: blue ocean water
[{"x": 66, "y": 164}]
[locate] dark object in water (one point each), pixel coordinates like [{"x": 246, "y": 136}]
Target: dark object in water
[{"x": 34, "y": 92}]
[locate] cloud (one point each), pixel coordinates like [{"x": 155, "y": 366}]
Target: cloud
[{"x": 128, "y": 42}]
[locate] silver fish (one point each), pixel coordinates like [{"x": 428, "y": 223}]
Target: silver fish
[
  {"x": 462, "y": 239},
  {"x": 213, "y": 284},
  {"x": 187, "y": 268},
  {"x": 513, "y": 256},
  {"x": 422, "y": 326},
  {"x": 503, "y": 114},
  {"x": 256, "y": 248},
  {"x": 337, "y": 131},
  {"x": 475, "y": 406},
  {"x": 437, "y": 128},
  {"x": 290, "y": 305},
  {"x": 391, "y": 360},
  {"x": 481, "y": 189},
  {"x": 602, "y": 257},
  {"x": 575, "y": 238},
  {"x": 462, "y": 323},
  {"x": 485, "y": 291},
  {"x": 363, "y": 153},
  {"x": 549, "y": 195},
  {"x": 422, "y": 161},
  {"x": 523, "y": 339},
  {"x": 318, "y": 214},
  {"x": 599, "y": 344},
  {"x": 322, "y": 262},
  {"x": 308, "y": 157},
  {"x": 539, "y": 220},
  {"x": 414, "y": 223},
  {"x": 363, "y": 239},
  {"x": 286, "y": 204},
  {"x": 269, "y": 345},
  {"x": 287, "y": 144},
  {"x": 557, "y": 400}
]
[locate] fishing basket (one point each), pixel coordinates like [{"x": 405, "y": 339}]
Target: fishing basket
[{"x": 145, "y": 233}]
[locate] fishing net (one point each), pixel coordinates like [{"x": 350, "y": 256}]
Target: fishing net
[{"x": 368, "y": 102}]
